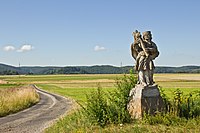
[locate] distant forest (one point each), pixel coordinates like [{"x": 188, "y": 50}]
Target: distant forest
[{"x": 102, "y": 69}]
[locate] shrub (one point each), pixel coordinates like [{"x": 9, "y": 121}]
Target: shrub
[
  {"x": 178, "y": 110},
  {"x": 105, "y": 108},
  {"x": 119, "y": 98},
  {"x": 111, "y": 108},
  {"x": 190, "y": 107},
  {"x": 96, "y": 108},
  {"x": 186, "y": 106}
]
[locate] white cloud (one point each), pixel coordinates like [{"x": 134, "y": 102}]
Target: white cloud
[
  {"x": 25, "y": 48},
  {"x": 99, "y": 48},
  {"x": 9, "y": 48}
]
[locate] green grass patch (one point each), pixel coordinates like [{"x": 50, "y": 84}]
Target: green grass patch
[
  {"x": 8, "y": 86},
  {"x": 78, "y": 94},
  {"x": 76, "y": 123},
  {"x": 170, "y": 91}
]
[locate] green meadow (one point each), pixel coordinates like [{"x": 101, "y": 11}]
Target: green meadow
[{"x": 73, "y": 86}]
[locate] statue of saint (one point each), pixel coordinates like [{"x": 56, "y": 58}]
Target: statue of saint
[{"x": 144, "y": 51}]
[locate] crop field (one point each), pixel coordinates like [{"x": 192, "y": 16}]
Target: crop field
[{"x": 76, "y": 86}]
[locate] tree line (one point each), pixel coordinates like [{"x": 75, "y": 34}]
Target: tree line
[{"x": 100, "y": 69}]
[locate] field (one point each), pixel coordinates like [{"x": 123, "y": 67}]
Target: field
[
  {"x": 77, "y": 86},
  {"x": 74, "y": 86}
]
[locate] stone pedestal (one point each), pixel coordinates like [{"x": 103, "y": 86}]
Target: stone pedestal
[{"x": 144, "y": 99}]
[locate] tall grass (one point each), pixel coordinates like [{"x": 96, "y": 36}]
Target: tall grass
[{"x": 15, "y": 99}]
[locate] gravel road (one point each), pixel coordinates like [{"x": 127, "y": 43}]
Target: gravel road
[{"x": 38, "y": 117}]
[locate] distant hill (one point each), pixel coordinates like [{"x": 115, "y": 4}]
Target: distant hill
[
  {"x": 182, "y": 69},
  {"x": 101, "y": 69}
]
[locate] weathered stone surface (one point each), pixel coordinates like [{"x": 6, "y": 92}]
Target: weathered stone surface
[
  {"x": 144, "y": 51},
  {"x": 144, "y": 99}
]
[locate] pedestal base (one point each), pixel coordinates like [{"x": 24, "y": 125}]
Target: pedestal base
[{"x": 144, "y": 99}]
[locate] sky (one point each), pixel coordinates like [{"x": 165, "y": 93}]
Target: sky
[{"x": 97, "y": 32}]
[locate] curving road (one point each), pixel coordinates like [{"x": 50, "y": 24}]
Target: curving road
[{"x": 38, "y": 117}]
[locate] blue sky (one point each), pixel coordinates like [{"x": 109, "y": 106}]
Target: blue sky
[{"x": 96, "y": 32}]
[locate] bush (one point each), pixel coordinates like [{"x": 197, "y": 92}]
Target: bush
[
  {"x": 111, "y": 108},
  {"x": 106, "y": 108},
  {"x": 119, "y": 98},
  {"x": 178, "y": 110},
  {"x": 190, "y": 106},
  {"x": 96, "y": 108},
  {"x": 186, "y": 106}
]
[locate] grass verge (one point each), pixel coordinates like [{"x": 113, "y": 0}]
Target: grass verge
[
  {"x": 78, "y": 123},
  {"x": 15, "y": 99}
]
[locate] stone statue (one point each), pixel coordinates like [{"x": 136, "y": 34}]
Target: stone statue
[
  {"x": 144, "y": 51},
  {"x": 145, "y": 96}
]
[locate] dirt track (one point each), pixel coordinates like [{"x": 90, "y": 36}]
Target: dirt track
[{"x": 38, "y": 117}]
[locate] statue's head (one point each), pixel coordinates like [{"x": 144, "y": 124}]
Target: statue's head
[
  {"x": 147, "y": 35},
  {"x": 136, "y": 35}
]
